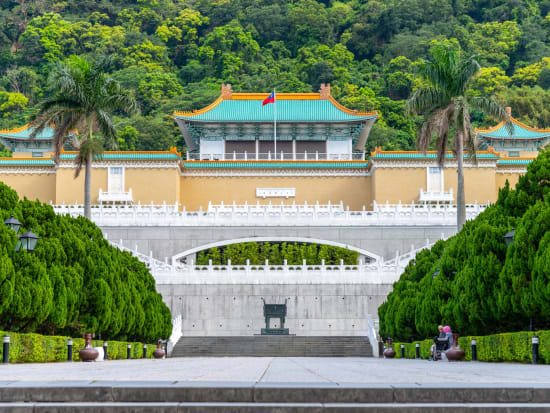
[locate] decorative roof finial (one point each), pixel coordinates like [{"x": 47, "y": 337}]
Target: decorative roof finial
[
  {"x": 509, "y": 111},
  {"x": 324, "y": 92},
  {"x": 227, "y": 93}
]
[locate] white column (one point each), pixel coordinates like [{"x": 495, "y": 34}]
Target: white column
[{"x": 294, "y": 149}]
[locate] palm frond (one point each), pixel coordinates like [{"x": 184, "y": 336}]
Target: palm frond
[{"x": 425, "y": 99}]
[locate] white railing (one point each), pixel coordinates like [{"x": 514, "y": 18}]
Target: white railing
[
  {"x": 115, "y": 196},
  {"x": 436, "y": 196},
  {"x": 372, "y": 334},
  {"x": 280, "y": 156},
  {"x": 379, "y": 272},
  {"x": 272, "y": 215},
  {"x": 177, "y": 332}
]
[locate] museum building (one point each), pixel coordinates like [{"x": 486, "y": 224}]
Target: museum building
[{"x": 304, "y": 148}]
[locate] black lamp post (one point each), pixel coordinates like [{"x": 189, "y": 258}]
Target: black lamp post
[
  {"x": 509, "y": 237},
  {"x": 13, "y": 223},
  {"x": 27, "y": 241}
]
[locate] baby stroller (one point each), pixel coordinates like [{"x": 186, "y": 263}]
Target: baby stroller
[{"x": 440, "y": 345}]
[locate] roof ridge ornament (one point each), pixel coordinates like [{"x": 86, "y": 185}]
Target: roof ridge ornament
[
  {"x": 324, "y": 91},
  {"x": 227, "y": 93}
]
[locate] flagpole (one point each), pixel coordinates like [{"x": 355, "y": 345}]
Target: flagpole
[{"x": 275, "y": 123}]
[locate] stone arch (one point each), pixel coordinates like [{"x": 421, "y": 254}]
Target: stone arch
[{"x": 363, "y": 254}]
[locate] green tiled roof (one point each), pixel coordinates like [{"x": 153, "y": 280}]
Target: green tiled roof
[
  {"x": 514, "y": 161},
  {"x": 518, "y": 132},
  {"x": 287, "y": 111},
  {"x": 26, "y": 162},
  {"x": 24, "y": 133},
  {"x": 274, "y": 165},
  {"x": 128, "y": 156},
  {"x": 419, "y": 155}
]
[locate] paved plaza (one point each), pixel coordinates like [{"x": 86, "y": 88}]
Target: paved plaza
[{"x": 278, "y": 370}]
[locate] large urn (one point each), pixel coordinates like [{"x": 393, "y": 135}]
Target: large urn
[
  {"x": 389, "y": 352},
  {"x": 88, "y": 353},
  {"x": 455, "y": 353},
  {"x": 159, "y": 352}
]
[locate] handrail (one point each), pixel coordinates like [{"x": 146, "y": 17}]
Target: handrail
[
  {"x": 272, "y": 214},
  {"x": 279, "y": 156}
]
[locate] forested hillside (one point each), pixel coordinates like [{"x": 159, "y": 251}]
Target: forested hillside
[{"x": 173, "y": 54}]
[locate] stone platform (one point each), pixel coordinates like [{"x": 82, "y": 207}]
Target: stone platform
[{"x": 282, "y": 385}]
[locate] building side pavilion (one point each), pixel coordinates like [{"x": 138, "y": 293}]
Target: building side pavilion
[{"x": 233, "y": 157}]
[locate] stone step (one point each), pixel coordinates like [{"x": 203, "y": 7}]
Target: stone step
[
  {"x": 273, "y": 346},
  {"x": 142, "y": 407},
  {"x": 256, "y": 395}
]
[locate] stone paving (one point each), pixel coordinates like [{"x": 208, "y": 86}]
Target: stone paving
[{"x": 278, "y": 370}]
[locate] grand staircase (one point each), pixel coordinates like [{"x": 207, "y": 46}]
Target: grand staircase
[{"x": 273, "y": 346}]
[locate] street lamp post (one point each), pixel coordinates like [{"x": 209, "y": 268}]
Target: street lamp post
[
  {"x": 27, "y": 241},
  {"x": 13, "y": 223}
]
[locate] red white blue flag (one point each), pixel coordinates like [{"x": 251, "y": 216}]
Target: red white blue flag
[{"x": 269, "y": 99}]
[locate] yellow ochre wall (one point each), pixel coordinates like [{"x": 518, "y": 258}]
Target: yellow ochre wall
[
  {"x": 32, "y": 186},
  {"x": 479, "y": 184},
  {"x": 403, "y": 184},
  {"x": 71, "y": 190},
  {"x": 501, "y": 178},
  {"x": 398, "y": 184},
  {"x": 147, "y": 184},
  {"x": 153, "y": 184},
  {"x": 355, "y": 191}
]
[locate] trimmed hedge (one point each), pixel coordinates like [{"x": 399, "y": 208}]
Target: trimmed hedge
[
  {"x": 36, "y": 348},
  {"x": 504, "y": 347}
]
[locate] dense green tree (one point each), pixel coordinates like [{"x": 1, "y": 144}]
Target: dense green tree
[
  {"x": 74, "y": 281},
  {"x": 474, "y": 281}
]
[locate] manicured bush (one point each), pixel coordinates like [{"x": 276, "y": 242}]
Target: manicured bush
[
  {"x": 276, "y": 253},
  {"x": 74, "y": 281},
  {"x": 36, "y": 348},
  {"x": 473, "y": 281},
  {"x": 503, "y": 347}
]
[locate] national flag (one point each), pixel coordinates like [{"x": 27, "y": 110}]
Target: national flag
[{"x": 269, "y": 99}]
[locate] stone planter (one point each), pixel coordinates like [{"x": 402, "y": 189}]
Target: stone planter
[
  {"x": 455, "y": 353},
  {"x": 88, "y": 353},
  {"x": 159, "y": 352},
  {"x": 389, "y": 353}
]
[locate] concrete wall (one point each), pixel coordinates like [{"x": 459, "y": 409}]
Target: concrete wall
[
  {"x": 237, "y": 309},
  {"x": 353, "y": 190},
  {"x": 169, "y": 241}
]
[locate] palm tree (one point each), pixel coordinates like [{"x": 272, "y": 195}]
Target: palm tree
[
  {"x": 445, "y": 103},
  {"x": 83, "y": 98}
]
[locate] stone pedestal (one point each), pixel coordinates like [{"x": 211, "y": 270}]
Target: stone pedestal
[{"x": 274, "y": 331}]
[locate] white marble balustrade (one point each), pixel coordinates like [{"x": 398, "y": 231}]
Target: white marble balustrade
[{"x": 272, "y": 214}]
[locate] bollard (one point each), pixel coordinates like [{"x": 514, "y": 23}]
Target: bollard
[
  {"x": 381, "y": 349},
  {"x": 6, "y": 349},
  {"x": 105, "y": 345},
  {"x": 70, "y": 349},
  {"x": 402, "y": 351},
  {"x": 417, "y": 350},
  {"x": 474, "y": 349},
  {"x": 535, "y": 343},
  {"x": 129, "y": 352},
  {"x": 145, "y": 351}
]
